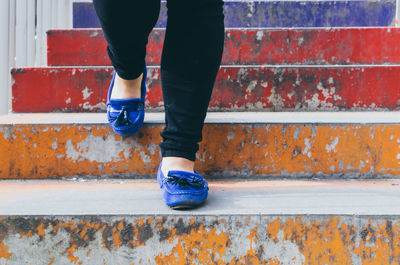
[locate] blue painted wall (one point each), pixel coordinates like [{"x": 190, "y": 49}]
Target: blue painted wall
[{"x": 353, "y": 13}]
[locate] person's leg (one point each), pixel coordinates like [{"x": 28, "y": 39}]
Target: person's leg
[
  {"x": 190, "y": 61},
  {"x": 126, "y": 26}
]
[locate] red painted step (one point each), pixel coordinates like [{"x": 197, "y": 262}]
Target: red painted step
[
  {"x": 248, "y": 47},
  {"x": 83, "y": 89}
]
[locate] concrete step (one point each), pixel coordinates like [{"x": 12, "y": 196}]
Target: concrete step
[
  {"x": 237, "y": 88},
  {"x": 261, "y": 13},
  {"x": 246, "y": 46},
  {"x": 236, "y": 145},
  {"x": 260, "y": 222}
]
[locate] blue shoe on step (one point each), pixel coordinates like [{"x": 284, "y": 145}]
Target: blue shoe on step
[
  {"x": 182, "y": 189},
  {"x": 126, "y": 115}
]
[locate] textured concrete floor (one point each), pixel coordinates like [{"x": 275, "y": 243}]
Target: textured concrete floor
[{"x": 135, "y": 197}]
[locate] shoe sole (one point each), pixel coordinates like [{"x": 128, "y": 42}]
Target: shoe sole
[
  {"x": 186, "y": 206},
  {"x": 182, "y": 207}
]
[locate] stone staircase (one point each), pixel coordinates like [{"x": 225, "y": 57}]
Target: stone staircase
[{"x": 301, "y": 147}]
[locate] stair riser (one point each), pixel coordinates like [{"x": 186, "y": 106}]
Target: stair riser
[
  {"x": 236, "y": 88},
  {"x": 281, "y": 14},
  {"x": 228, "y": 150},
  {"x": 240, "y": 239},
  {"x": 247, "y": 47}
]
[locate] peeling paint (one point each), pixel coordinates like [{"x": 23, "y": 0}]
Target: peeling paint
[
  {"x": 200, "y": 240},
  {"x": 86, "y": 93},
  {"x": 273, "y": 88},
  {"x": 245, "y": 150},
  {"x": 307, "y": 149},
  {"x": 312, "y": 46},
  {"x": 276, "y": 99},
  {"x": 332, "y": 146},
  {"x": 92, "y": 149},
  {"x": 145, "y": 158},
  {"x": 87, "y": 106},
  {"x": 259, "y": 35}
]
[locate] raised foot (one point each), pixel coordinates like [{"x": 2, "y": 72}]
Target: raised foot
[{"x": 126, "y": 89}]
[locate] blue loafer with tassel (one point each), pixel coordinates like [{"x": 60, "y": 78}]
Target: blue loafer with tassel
[
  {"x": 182, "y": 189},
  {"x": 126, "y": 116}
]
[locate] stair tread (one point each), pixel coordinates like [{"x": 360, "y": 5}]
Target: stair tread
[
  {"x": 370, "y": 117},
  {"x": 142, "y": 197}
]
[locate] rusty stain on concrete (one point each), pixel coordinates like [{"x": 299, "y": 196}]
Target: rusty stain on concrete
[
  {"x": 200, "y": 240},
  {"x": 228, "y": 150}
]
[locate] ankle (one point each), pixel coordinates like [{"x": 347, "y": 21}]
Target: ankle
[
  {"x": 176, "y": 163},
  {"x": 124, "y": 88}
]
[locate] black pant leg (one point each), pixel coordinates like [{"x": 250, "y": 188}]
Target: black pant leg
[
  {"x": 126, "y": 25},
  {"x": 190, "y": 61}
]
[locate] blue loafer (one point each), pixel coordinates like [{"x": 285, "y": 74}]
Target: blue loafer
[
  {"x": 126, "y": 115},
  {"x": 182, "y": 189}
]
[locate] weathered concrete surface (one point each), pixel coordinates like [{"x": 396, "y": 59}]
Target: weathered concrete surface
[
  {"x": 255, "y": 149},
  {"x": 261, "y": 13},
  {"x": 252, "y": 88},
  {"x": 231, "y": 197},
  {"x": 286, "y": 222},
  {"x": 200, "y": 240},
  {"x": 244, "y": 117},
  {"x": 246, "y": 46}
]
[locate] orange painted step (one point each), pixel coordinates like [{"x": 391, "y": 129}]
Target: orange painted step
[
  {"x": 249, "y": 145},
  {"x": 87, "y": 47}
]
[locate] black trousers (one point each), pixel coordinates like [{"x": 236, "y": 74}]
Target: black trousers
[{"x": 190, "y": 59}]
